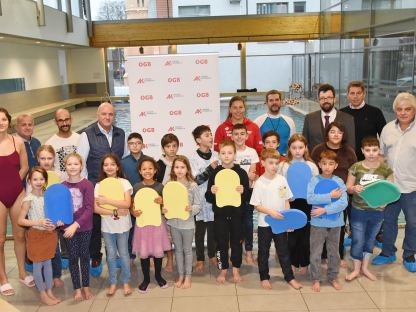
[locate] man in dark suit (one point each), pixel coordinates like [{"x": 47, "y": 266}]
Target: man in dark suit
[
  {"x": 316, "y": 122},
  {"x": 369, "y": 120}
]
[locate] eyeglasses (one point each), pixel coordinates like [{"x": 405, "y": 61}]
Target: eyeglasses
[
  {"x": 323, "y": 99},
  {"x": 67, "y": 120},
  {"x": 134, "y": 143}
]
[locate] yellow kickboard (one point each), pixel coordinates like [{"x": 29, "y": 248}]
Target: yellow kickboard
[
  {"x": 144, "y": 200},
  {"x": 53, "y": 178},
  {"x": 175, "y": 200},
  {"x": 227, "y": 181},
  {"x": 111, "y": 188}
]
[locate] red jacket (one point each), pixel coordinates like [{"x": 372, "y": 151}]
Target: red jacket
[{"x": 225, "y": 129}]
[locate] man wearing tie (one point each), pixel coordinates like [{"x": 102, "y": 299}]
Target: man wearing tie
[{"x": 316, "y": 122}]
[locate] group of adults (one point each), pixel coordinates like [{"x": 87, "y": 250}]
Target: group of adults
[{"x": 351, "y": 124}]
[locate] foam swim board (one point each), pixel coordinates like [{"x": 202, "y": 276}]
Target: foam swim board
[
  {"x": 325, "y": 186},
  {"x": 144, "y": 200},
  {"x": 293, "y": 219},
  {"x": 53, "y": 178},
  {"x": 298, "y": 176},
  {"x": 227, "y": 181},
  {"x": 58, "y": 204},
  {"x": 380, "y": 193},
  {"x": 175, "y": 199},
  {"x": 111, "y": 188}
]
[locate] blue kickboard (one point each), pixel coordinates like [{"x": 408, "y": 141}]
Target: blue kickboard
[
  {"x": 325, "y": 186},
  {"x": 294, "y": 219},
  {"x": 298, "y": 176},
  {"x": 58, "y": 204}
]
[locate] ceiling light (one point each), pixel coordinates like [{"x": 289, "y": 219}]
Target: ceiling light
[{"x": 38, "y": 42}]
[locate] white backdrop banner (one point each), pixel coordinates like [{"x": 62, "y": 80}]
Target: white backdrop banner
[{"x": 173, "y": 94}]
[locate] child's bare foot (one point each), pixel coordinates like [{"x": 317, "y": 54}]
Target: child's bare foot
[
  {"x": 52, "y": 296},
  {"x": 249, "y": 258},
  {"x": 58, "y": 283},
  {"x": 78, "y": 295},
  {"x": 179, "y": 282},
  {"x": 316, "y": 286},
  {"x": 336, "y": 285},
  {"x": 303, "y": 270},
  {"x": 221, "y": 276},
  {"x": 111, "y": 290},
  {"x": 127, "y": 290},
  {"x": 343, "y": 264},
  {"x": 369, "y": 275},
  {"x": 187, "y": 283},
  {"x": 265, "y": 284},
  {"x": 352, "y": 276},
  {"x": 295, "y": 284},
  {"x": 45, "y": 299},
  {"x": 236, "y": 275},
  {"x": 87, "y": 293},
  {"x": 199, "y": 267},
  {"x": 213, "y": 261}
]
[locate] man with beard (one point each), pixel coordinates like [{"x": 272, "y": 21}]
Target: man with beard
[
  {"x": 274, "y": 121},
  {"x": 316, "y": 122},
  {"x": 64, "y": 141}
]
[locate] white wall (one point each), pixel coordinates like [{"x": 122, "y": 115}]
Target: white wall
[
  {"x": 86, "y": 65},
  {"x": 19, "y": 19}
]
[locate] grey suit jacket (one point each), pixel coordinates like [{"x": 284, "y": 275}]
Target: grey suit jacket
[{"x": 313, "y": 129}]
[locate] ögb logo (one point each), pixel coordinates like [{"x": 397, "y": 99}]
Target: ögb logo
[
  {"x": 174, "y": 79},
  {"x": 145, "y": 64},
  {"x": 148, "y": 130},
  {"x": 148, "y": 97},
  {"x": 175, "y": 113},
  {"x": 202, "y": 94},
  {"x": 201, "y": 61}
]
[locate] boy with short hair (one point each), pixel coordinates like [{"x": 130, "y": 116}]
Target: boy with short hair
[
  {"x": 271, "y": 139},
  {"x": 203, "y": 163},
  {"x": 130, "y": 163},
  {"x": 271, "y": 195},
  {"x": 170, "y": 146},
  {"x": 227, "y": 219},
  {"x": 324, "y": 229},
  {"x": 247, "y": 158}
]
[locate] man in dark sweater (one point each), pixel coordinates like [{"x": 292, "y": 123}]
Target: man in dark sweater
[{"x": 368, "y": 120}]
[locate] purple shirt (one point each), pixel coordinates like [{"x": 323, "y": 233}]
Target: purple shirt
[{"x": 83, "y": 203}]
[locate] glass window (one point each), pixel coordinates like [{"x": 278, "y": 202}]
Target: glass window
[
  {"x": 12, "y": 85},
  {"x": 51, "y": 3},
  {"x": 272, "y": 7},
  {"x": 194, "y": 10},
  {"x": 299, "y": 6}
]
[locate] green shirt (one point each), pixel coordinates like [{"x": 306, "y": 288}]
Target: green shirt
[{"x": 363, "y": 174}]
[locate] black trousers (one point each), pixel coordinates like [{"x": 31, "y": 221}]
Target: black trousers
[
  {"x": 298, "y": 240},
  {"x": 95, "y": 242},
  {"x": 200, "y": 228},
  {"x": 228, "y": 233},
  {"x": 265, "y": 237}
]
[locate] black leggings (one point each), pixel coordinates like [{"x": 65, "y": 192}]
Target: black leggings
[
  {"x": 200, "y": 228},
  {"x": 79, "y": 256}
]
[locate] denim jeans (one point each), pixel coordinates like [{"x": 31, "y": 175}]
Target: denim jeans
[
  {"x": 117, "y": 244},
  {"x": 407, "y": 203},
  {"x": 365, "y": 224}
]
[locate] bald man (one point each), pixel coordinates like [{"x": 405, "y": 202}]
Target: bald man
[
  {"x": 65, "y": 141},
  {"x": 24, "y": 129},
  {"x": 99, "y": 139}
]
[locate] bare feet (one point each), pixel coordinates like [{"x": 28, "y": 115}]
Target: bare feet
[
  {"x": 187, "y": 283},
  {"x": 179, "y": 282},
  {"x": 111, "y": 290},
  {"x": 249, "y": 258},
  {"x": 221, "y": 276},
  {"x": 336, "y": 285},
  {"x": 78, "y": 295},
  {"x": 87, "y": 293},
  {"x": 52, "y": 296},
  {"x": 303, "y": 270},
  {"x": 199, "y": 267},
  {"x": 343, "y": 264},
  {"x": 45, "y": 299},
  {"x": 236, "y": 275},
  {"x": 369, "y": 275},
  {"x": 316, "y": 286},
  {"x": 127, "y": 290},
  {"x": 265, "y": 284},
  {"x": 58, "y": 283},
  {"x": 295, "y": 284},
  {"x": 352, "y": 276},
  {"x": 294, "y": 269}
]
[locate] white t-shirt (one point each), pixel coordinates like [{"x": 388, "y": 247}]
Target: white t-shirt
[
  {"x": 271, "y": 194},
  {"x": 108, "y": 224},
  {"x": 63, "y": 147},
  {"x": 246, "y": 158}
]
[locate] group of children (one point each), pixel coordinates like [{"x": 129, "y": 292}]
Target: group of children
[{"x": 263, "y": 186}]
